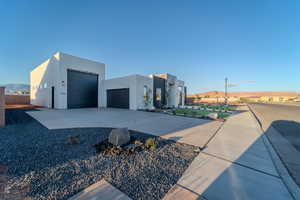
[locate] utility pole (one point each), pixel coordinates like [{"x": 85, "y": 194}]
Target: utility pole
[{"x": 226, "y": 88}]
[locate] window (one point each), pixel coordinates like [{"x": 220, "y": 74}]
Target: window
[
  {"x": 146, "y": 96},
  {"x": 158, "y": 94},
  {"x": 45, "y": 85},
  {"x": 180, "y": 89},
  {"x": 180, "y": 95}
]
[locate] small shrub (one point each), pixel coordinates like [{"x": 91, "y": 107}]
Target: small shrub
[
  {"x": 73, "y": 139},
  {"x": 151, "y": 143},
  {"x": 174, "y": 112}
]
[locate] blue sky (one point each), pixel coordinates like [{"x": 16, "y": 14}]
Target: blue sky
[{"x": 256, "y": 44}]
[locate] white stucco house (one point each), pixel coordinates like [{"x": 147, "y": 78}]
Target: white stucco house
[{"x": 65, "y": 82}]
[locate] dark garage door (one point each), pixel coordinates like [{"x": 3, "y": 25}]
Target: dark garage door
[
  {"x": 82, "y": 89},
  {"x": 118, "y": 98}
]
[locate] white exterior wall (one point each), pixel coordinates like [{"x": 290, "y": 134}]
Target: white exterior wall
[
  {"x": 142, "y": 81},
  {"x": 136, "y": 84},
  {"x": 53, "y": 73},
  {"x": 172, "y": 96},
  {"x": 79, "y": 64},
  {"x": 42, "y": 79},
  {"x": 180, "y": 84}
]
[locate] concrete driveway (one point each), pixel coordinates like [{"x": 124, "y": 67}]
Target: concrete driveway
[{"x": 182, "y": 129}]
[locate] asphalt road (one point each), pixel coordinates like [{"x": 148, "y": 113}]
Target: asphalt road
[{"x": 285, "y": 118}]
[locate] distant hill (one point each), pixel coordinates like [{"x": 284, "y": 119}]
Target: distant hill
[
  {"x": 13, "y": 88},
  {"x": 245, "y": 94}
]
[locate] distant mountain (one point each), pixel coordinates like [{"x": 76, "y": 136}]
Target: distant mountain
[
  {"x": 14, "y": 88},
  {"x": 245, "y": 94}
]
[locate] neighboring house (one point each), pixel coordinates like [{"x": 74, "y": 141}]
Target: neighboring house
[
  {"x": 65, "y": 81},
  {"x": 252, "y": 99},
  {"x": 192, "y": 99},
  {"x": 276, "y": 98}
]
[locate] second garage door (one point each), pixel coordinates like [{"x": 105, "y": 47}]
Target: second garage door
[
  {"x": 82, "y": 89},
  {"x": 118, "y": 98}
]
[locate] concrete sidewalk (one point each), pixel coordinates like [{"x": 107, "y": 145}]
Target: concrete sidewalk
[
  {"x": 235, "y": 165},
  {"x": 101, "y": 190}
]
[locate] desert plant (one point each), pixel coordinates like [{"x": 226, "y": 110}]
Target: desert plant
[{"x": 151, "y": 143}]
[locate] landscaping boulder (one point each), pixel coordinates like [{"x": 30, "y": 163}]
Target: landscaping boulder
[
  {"x": 212, "y": 115},
  {"x": 119, "y": 136}
]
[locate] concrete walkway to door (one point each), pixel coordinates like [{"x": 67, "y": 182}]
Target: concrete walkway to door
[{"x": 192, "y": 131}]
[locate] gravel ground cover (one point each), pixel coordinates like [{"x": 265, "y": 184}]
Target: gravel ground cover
[{"x": 40, "y": 161}]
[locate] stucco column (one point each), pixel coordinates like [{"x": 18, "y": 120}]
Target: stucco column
[{"x": 2, "y": 107}]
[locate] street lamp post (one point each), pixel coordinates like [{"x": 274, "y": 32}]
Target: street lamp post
[{"x": 226, "y": 89}]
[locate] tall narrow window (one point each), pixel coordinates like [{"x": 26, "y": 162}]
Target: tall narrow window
[
  {"x": 146, "y": 93},
  {"x": 180, "y": 95},
  {"x": 158, "y": 94}
]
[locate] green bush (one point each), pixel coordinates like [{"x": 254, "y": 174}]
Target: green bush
[{"x": 151, "y": 143}]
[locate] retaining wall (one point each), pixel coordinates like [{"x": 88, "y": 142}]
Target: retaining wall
[{"x": 17, "y": 99}]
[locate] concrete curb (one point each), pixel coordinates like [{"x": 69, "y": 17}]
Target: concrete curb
[{"x": 281, "y": 169}]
